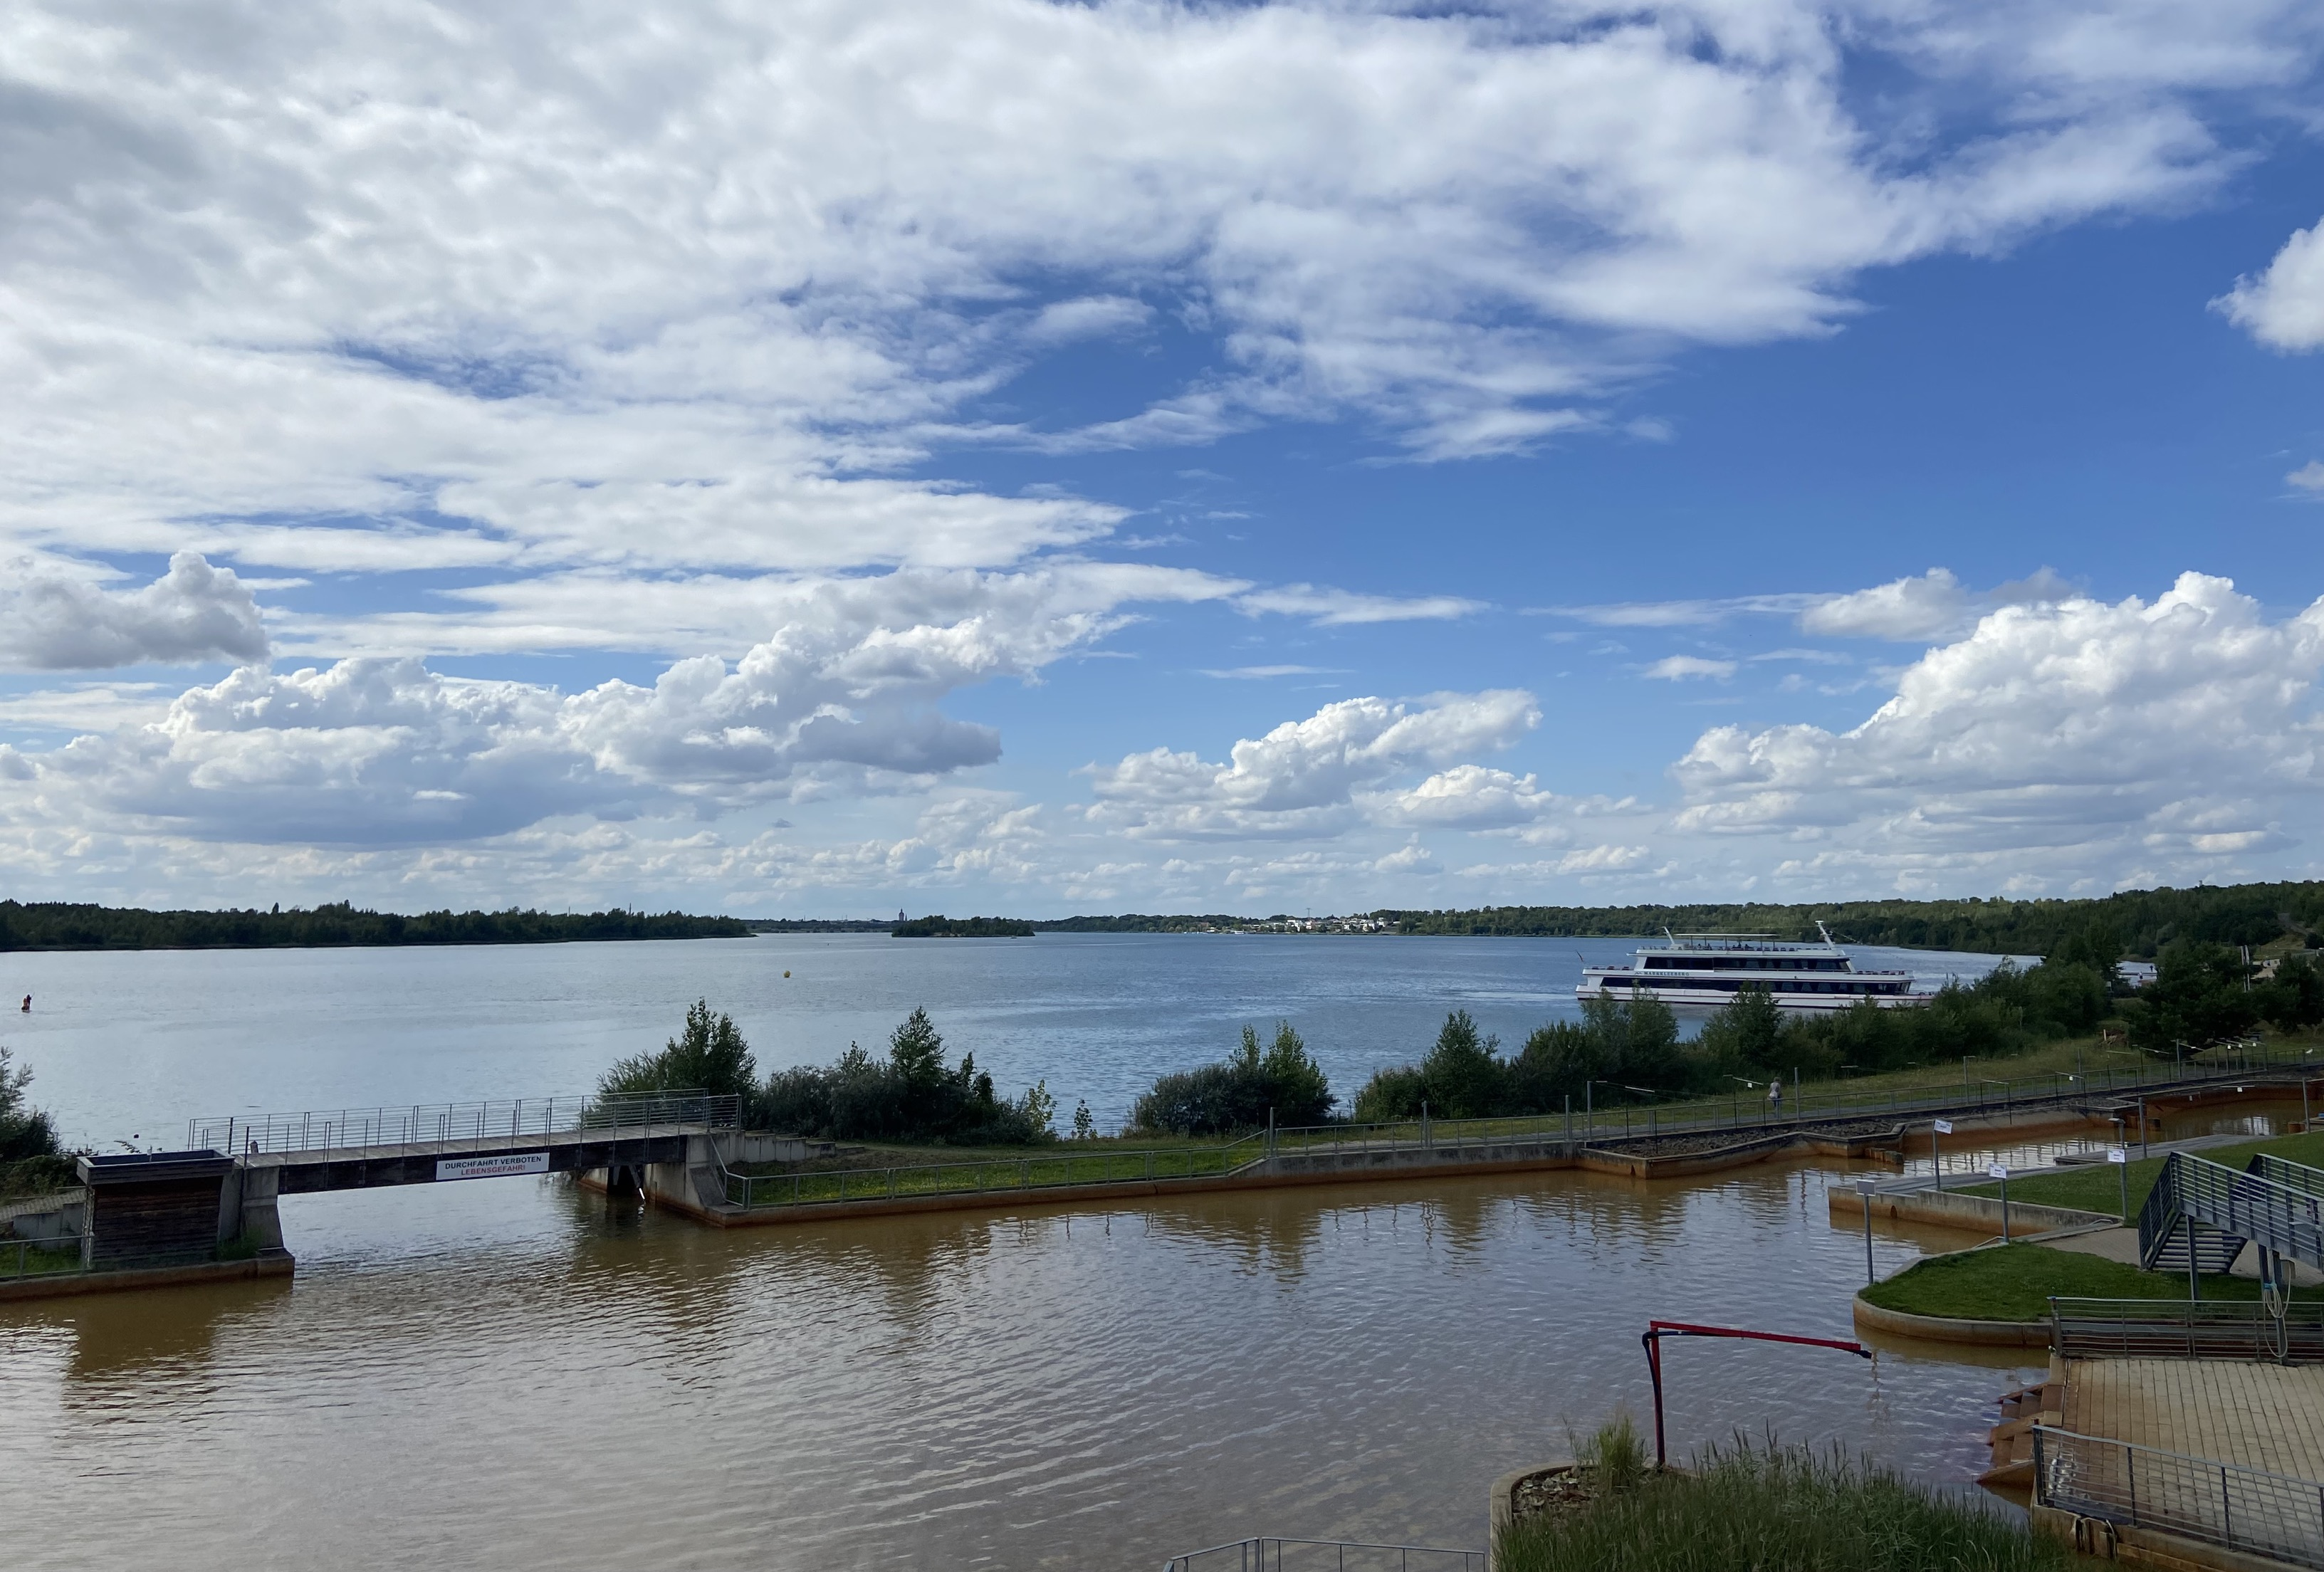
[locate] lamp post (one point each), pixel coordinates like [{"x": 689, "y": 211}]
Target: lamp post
[
  {"x": 2000, "y": 1171},
  {"x": 1936, "y": 1159},
  {"x": 1865, "y": 1185}
]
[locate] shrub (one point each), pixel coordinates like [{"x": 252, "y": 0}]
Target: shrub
[
  {"x": 912, "y": 1096},
  {"x": 709, "y": 1056},
  {"x": 1239, "y": 1094},
  {"x": 25, "y": 1132}
]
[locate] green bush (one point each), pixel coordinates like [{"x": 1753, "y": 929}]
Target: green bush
[
  {"x": 709, "y": 1056},
  {"x": 1621, "y": 1043},
  {"x": 25, "y": 1132},
  {"x": 1778, "y": 1510},
  {"x": 1239, "y": 1094},
  {"x": 912, "y": 1096}
]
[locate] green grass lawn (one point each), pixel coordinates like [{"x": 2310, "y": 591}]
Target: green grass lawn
[
  {"x": 2013, "y": 1283},
  {"x": 2095, "y": 1188},
  {"x": 932, "y": 1172}
]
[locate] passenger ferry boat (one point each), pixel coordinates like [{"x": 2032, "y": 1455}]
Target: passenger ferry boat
[{"x": 1710, "y": 969}]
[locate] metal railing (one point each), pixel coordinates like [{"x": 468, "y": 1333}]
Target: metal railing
[
  {"x": 2150, "y": 1328},
  {"x": 2233, "y": 1206},
  {"x": 2197, "y": 1498},
  {"x": 473, "y": 1125},
  {"x": 39, "y": 1257},
  {"x": 1272, "y": 1554}
]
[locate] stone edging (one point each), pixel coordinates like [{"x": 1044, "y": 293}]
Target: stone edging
[
  {"x": 1499, "y": 1512},
  {"x": 58, "y": 1284},
  {"x": 1952, "y": 1329}
]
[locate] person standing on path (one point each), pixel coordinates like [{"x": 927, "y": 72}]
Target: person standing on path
[{"x": 1775, "y": 1095}]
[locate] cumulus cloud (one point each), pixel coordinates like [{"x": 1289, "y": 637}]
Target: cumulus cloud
[
  {"x": 1908, "y": 607},
  {"x": 2131, "y": 735},
  {"x": 374, "y": 749},
  {"x": 2309, "y": 477},
  {"x": 1302, "y": 778},
  {"x": 2284, "y": 307},
  {"x": 51, "y": 622}
]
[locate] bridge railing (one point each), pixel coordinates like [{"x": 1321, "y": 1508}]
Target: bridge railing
[
  {"x": 477, "y": 1124},
  {"x": 2242, "y": 1509},
  {"x": 1273, "y": 1555}
]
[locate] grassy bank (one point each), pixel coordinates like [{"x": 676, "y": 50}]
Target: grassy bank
[
  {"x": 2015, "y": 1283},
  {"x": 2095, "y": 1188},
  {"x": 1777, "y": 1509}
]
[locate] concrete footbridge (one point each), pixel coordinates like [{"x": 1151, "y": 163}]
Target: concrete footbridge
[{"x": 152, "y": 1208}]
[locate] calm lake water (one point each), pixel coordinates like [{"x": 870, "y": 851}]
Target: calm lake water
[
  {"x": 514, "y": 1372},
  {"x": 137, "y": 1044}
]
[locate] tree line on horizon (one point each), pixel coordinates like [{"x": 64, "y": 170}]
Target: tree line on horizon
[
  {"x": 2141, "y": 922},
  {"x": 63, "y": 926}
]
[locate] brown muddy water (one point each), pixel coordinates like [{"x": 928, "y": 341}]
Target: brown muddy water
[{"x": 508, "y": 1373}]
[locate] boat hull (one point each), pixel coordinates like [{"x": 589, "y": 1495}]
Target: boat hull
[{"x": 1714, "y": 998}]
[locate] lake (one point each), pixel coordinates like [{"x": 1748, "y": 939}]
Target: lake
[
  {"x": 136, "y": 1044},
  {"x": 515, "y": 1371}
]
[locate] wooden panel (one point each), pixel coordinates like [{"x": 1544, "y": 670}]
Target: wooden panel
[{"x": 173, "y": 1218}]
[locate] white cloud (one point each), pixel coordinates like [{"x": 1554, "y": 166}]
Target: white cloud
[
  {"x": 51, "y": 621},
  {"x": 1469, "y": 796},
  {"x": 1260, "y": 673},
  {"x": 2309, "y": 477},
  {"x": 384, "y": 750},
  {"x": 2057, "y": 734},
  {"x": 591, "y": 285},
  {"x": 1341, "y": 608},
  {"x": 1301, "y": 778},
  {"x": 1680, "y": 667},
  {"x": 1909, "y": 608},
  {"x": 2284, "y": 307}
]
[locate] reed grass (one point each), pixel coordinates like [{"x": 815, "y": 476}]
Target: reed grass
[{"x": 1775, "y": 1509}]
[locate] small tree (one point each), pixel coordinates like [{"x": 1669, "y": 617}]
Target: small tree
[
  {"x": 25, "y": 1130},
  {"x": 1747, "y": 1030},
  {"x": 1084, "y": 1126},
  {"x": 710, "y": 1056},
  {"x": 917, "y": 1053}
]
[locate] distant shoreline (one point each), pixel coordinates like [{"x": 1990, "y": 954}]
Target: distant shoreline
[{"x": 55, "y": 927}]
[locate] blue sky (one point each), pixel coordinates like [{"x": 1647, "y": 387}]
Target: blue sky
[{"x": 1002, "y": 456}]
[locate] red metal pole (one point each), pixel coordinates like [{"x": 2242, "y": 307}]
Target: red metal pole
[{"x": 1657, "y": 1330}]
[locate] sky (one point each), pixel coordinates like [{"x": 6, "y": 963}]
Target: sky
[{"x": 992, "y": 455}]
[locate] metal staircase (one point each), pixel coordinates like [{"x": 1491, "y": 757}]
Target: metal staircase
[{"x": 2210, "y": 1211}]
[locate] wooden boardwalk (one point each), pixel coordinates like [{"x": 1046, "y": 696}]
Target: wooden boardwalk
[{"x": 2242, "y": 1412}]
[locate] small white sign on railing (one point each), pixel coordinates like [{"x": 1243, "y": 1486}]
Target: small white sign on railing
[
  {"x": 1998, "y": 1171},
  {"x": 1944, "y": 1126},
  {"x": 2117, "y": 1155},
  {"x": 492, "y": 1167}
]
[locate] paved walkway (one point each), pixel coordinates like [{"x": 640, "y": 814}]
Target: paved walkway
[{"x": 2241, "y": 1411}]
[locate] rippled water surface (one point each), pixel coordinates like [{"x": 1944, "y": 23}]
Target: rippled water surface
[{"x": 510, "y": 1372}]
